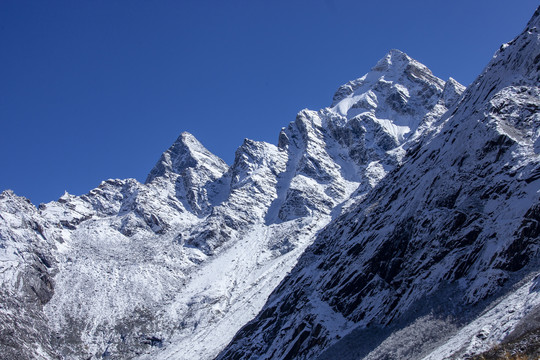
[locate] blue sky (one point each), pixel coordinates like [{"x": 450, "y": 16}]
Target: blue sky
[{"x": 91, "y": 90}]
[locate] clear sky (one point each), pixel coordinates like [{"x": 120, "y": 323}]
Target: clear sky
[{"x": 91, "y": 90}]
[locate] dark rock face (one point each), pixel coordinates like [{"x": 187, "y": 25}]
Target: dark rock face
[{"x": 451, "y": 228}]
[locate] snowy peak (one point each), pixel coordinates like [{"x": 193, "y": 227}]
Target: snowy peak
[
  {"x": 394, "y": 61},
  {"x": 452, "y": 92},
  {"x": 396, "y": 96},
  {"x": 393, "y": 66},
  {"x": 254, "y": 155},
  {"x": 190, "y": 172},
  {"x": 397, "y": 93},
  {"x": 186, "y": 152}
]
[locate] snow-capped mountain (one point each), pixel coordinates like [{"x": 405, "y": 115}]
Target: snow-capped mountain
[
  {"x": 405, "y": 190},
  {"x": 441, "y": 259},
  {"x": 194, "y": 252}
]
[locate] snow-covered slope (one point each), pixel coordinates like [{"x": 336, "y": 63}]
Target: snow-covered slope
[{"x": 441, "y": 259}]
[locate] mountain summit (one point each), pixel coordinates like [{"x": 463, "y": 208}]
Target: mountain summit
[
  {"x": 193, "y": 170},
  {"x": 187, "y": 152}
]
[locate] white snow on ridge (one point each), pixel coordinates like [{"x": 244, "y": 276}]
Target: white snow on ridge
[{"x": 397, "y": 94}]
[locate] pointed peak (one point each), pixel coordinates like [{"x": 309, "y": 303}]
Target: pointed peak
[
  {"x": 185, "y": 152},
  {"x": 395, "y": 66},
  {"x": 65, "y": 196},
  {"x": 396, "y": 63},
  {"x": 396, "y": 69},
  {"x": 394, "y": 59},
  {"x": 453, "y": 85},
  {"x": 187, "y": 139},
  {"x": 453, "y": 82},
  {"x": 187, "y": 136},
  {"x": 452, "y": 92}
]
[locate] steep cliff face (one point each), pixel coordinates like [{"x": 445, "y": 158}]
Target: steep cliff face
[{"x": 440, "y": 259}]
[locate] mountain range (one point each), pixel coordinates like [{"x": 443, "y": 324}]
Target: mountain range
[{"x": 400, "y": 222}]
